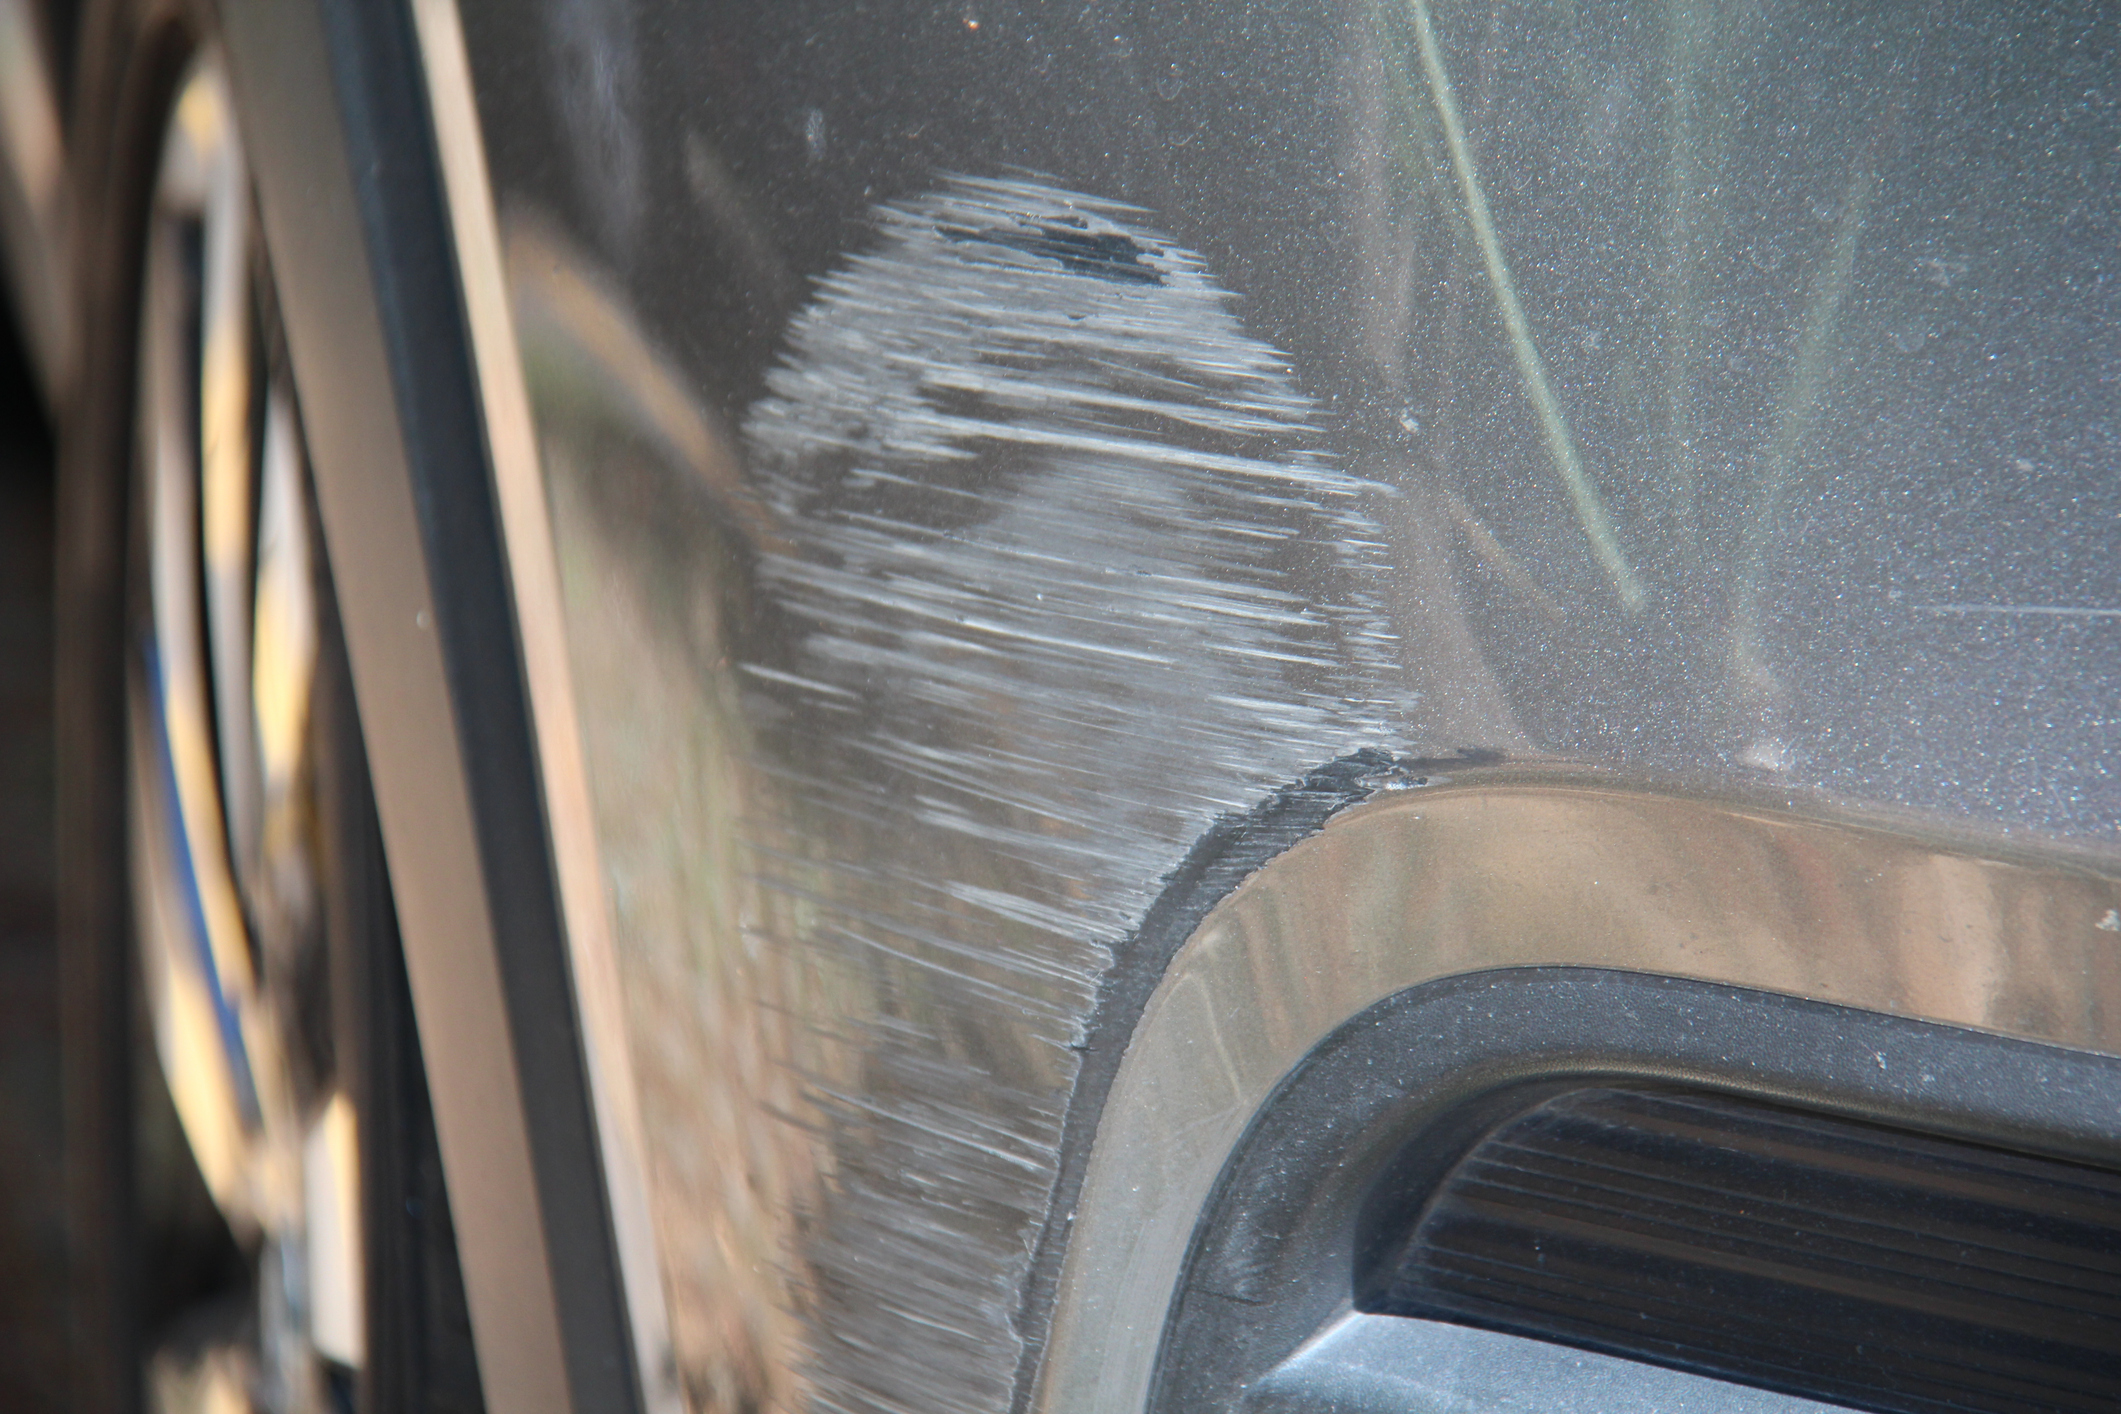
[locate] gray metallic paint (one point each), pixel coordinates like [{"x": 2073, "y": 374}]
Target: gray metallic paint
[{"x": 990, "y": 449}]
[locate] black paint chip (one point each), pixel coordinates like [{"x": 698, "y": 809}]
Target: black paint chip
[{"x": 1102, "y": 255}]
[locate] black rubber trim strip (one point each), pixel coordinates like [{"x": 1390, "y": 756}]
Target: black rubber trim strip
[
  {"x": 382, "y": 95},
  {"x": 1394, "y": 1096},
  {"x": 375, "y": 74},
  {"x": 419, "y": 1355}
]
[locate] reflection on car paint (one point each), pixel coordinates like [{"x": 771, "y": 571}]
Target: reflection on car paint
[
  {"x": 943, "y": 554},
  {"x": 1556, "y": 869},
  {"x": 1029, "y": 528}
]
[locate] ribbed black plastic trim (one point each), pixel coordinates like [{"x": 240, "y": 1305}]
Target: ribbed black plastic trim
[{"x": 1797, "y": 1251}]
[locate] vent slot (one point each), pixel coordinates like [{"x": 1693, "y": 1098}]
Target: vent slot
[{"x": 1794, "y": 1251}]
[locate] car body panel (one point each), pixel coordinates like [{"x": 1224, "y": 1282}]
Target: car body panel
[
  {"x": 860, "y": 526},
  {"x": 988, "y": 447}
]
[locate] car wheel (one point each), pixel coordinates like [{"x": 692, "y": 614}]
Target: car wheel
[{"x": 259, "y": 1219}]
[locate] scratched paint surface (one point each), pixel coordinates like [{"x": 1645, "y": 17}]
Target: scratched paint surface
[
  {"x": 1052, "y": 573},
  {"x": 989, "y": 446}
]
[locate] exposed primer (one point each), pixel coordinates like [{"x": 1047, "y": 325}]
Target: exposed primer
[{"x": 1068, "y": 577}]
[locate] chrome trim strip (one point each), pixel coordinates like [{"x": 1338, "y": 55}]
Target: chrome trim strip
[
  {"x": 285, "y": 81},
  {"x": 1513, "y": 867},
  {"x": 541, "y": 632}
]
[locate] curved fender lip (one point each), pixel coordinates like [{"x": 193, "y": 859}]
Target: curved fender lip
[{"x": 1519, "y": 866}]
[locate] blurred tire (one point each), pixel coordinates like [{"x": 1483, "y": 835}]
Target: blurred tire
[{"x": 257, "y": 1212}]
